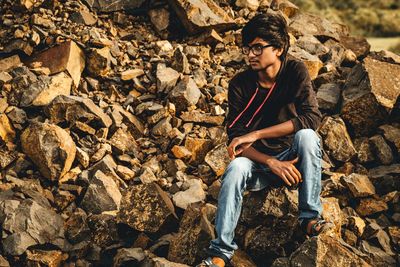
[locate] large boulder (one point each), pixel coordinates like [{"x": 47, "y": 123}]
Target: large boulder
[
  {"x": 50, "y": 147},
  {"x": 369, "y": 95}
]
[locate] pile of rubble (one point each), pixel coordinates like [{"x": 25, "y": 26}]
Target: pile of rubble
[{"x": 112, "y": 136}]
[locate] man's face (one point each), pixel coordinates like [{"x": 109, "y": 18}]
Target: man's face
[{"x": 269, "y": 55}]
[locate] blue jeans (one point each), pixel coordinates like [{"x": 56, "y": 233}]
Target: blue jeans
[{"x": 243, "y": 173}]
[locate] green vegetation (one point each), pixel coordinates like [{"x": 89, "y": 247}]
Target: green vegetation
[{"x": 364, "y": 17}]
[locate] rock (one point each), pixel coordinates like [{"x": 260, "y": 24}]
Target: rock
[
  {"x": 381, "y": 149},
  {"x": 181, "y": 63},
  {"x": 384, "y": 170},
  {"x": 369, "y": 206},
  {"x": 4, "y": 262},
  {"x": 147, "y": 176},
  {"x": 359, "y": 185},
  {"x": 83, "y": 17},
  {"x": 126, "y": 256},
  {"x": 7, "y": 132},
  {"x": 383, "y": 239},
  {"x": 166, "y": 78},
  {"x": 328, "y": 96},
  {"x": 18, "y": 45},
  {"x": 101, "y": 195},
  {"x": 377, "y": 257},
  {"x": 359, "y": 45},
  {"x": 160, "y": 19},
  {"x": 50, "y": 258},
  {"x": 218, "y": 159},
  {"x": 369, "y": 95},
  {"x": 336, "y": 139},
  {"x": 356, "y": 225},
  {"x": 286, "y": 7},
  {"x": 331, "y": 213},
  {"x": 308, "y": 24},
  {"x": 75, "y": 108},
  {"x": 198, "y": 117},
  {"x": 67, "y": 56},
  {"x": 193, "y": 194},
  {"x": 125, "y": 173},
  {"x": 198, "y": 147},
  {"x": 131, "y": 74},
  {"x": 181, "y": 152},
  {"x": 41, "y": 225},
  {"x": 185, "y": 94},
  {"x": 195, "y": 233},
  {"x": 99, "y": 62},
  {"x": 147, "y": 208},
  {"x": 325, "y": 251},
  {"x": 312, "y": 45},
  {"x": 249, "y": 4},
  {"x": 364, "y": 150},
  {"x": 201, "y": 14},
  {"x": 104, "y": 230},
  {"x": 312, "y": 62},
  {"x": 162, "y": 262},
  {"x": 123, "y": 142},
  {"x": 45, "y": 89},
  {"x": 50, "y": 147},
  {"x": 135, "y": 126},
  {"x": 9, "y": 63},
  {"x": 76, "y": 227},
  {"x": 392, "y": 135},
  {"x": 113, "y": 5}
]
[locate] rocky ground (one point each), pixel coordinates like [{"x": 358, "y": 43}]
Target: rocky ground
[{"x": 112, "y": 136}]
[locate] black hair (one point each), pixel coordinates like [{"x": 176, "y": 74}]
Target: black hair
[{"x": 270, "y": 27}]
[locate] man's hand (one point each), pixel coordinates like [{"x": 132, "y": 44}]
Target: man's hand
[
  {"x": 286, "y": 170},
  {"x": 241, "y": 143}
]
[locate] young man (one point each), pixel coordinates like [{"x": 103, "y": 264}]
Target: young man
[{"x": 272, "y": 116}]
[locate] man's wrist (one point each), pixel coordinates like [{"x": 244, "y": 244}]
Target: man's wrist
[{"x": 269, "y": 160}]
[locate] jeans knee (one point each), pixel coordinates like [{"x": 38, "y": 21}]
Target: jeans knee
[
  {"x": 237, "y": 171},
  {"x": 307, "y": 139}
]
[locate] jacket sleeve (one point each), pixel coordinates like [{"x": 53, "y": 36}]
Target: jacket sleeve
[
  {"x": 308, "y": 114},
  {"x": 236, "y": 104}
]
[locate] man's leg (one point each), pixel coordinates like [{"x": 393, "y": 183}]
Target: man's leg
[
  {"x": 234, "y": 182},
  {"x": 306, "y": 145}
]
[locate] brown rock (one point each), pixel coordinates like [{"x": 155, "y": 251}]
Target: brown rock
[
  {"x": 325, "y": 251},
  {"x": 364, "y": 150},
  {"x": 83, "y": 17},
  {"x": 313, "y": 63},
  {"x": 123, "y": 142},
  {"x": 249, "y": 4},
  {"x": 328, "y": 96},
  {"x": 392, "y": 135},
  {"x": 336, "y": 139},
  {"x": 160, "y": 19},
  {"x": 369, "y": 206},
  {"x": 50, "y": 147},
  {"x": 198, "y": 117},
  {"x": 146, "y": 208},
  {"x": 9, "y": 63},
  {"x": 376, "y": 256},
  {"x": 195, "y": 233},
  {"x": 166, "y": 78},
  {"x": 52, "y": 258},
  {"x": 369, "y": 95},
  {"x": 359, "y": 45},
  {"x": 135, "y": 126},
  {"x": 218, "y": 159},
  {"x": 356, "y": 225},
  {"x": 198, "y": 147},
  {"x": 287, "y": 7},
  {"x": 359, "y": 185},
  {"x": 99, "y": 62},
  {"x": 67, "y": 56},
  {"x": 331, "y": 212},
  {"x": 181, "y": 152},
  {"x": 114, "y": 5},
  {"x": 131, "y": 74},
  {"x": 185, "y": 94},
  {"x": 7, "y": 132},
  {"x": 201, "y": 14}
]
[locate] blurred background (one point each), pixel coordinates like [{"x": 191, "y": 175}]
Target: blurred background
[{"x": 378, "y": 20}]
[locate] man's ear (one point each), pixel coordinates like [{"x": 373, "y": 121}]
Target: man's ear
[{"x": 279, "y": 51}]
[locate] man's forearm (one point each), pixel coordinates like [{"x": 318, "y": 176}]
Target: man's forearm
[
  {"x": 278, "y": 130},
  {"x": 255, "y": 155}
]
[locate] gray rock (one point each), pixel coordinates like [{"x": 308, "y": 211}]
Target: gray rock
[
  {"x": 218, "y": 159},
  {"x": 381, "y": 149},
  {"x": 312, "y": 45},
  {"x": 384, "y": 170},
  {"x": 336, "y": 139},
  {"x": 369, "y": 95},
  {"x": 185, "y": 94},
  {"x": 193, "y": 194},
  {"x": 26, "y": 223},
  {"x": 312, "y": 62},
  {"x": 146, "y": 207},
  {"x": 129, "y": 256},
  {"x": 83, "y": 17},
  {"x": 180, "y": 63},
  {"x": 113, "y": 5},
  {"x": 50, "y": 147},
  {"x": 101, "y": 195},
  {"x": 195, "y": 233},
  {"x": 163, "y": 127},
  {"x": 392, "y": 135},
  {"x": 328, "y": 96},
  {"x": 359, "y": 45},
  {"x": 75, "y": 108},
  {"x": 376, "y": 256},
  {"x": 364, "y": 150},
  {"x": 166, "y": 78}
]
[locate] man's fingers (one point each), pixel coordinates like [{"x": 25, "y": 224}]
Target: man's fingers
[
  {"x": 283, "y": 177},
  {"x": 294, "y": 160},
  {"x": 294, "y": 175},
  {"x": 290, "y": 177},
  {"x": 298, "y": 173}
]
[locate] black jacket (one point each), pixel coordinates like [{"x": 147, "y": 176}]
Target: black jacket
[{"x": 293, "y": 98}]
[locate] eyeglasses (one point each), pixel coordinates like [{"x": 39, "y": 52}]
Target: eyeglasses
[{"x": 256, "y": 49}]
